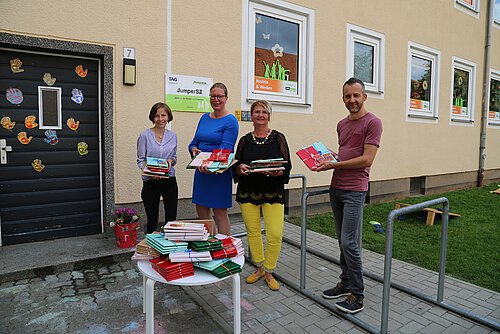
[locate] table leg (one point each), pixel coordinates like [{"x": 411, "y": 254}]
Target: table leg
[
  {"x": 236, "y": 303},
  {"x": 144, "y": 279},
  {"x": 150, "y": 303}
]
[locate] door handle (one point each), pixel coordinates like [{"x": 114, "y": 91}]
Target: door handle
[{"x": 3, "y": 151}]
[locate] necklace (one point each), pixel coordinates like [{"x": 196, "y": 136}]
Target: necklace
[
  {"x": 159, "y": 136},
  {"x": 261, "y": 141}
]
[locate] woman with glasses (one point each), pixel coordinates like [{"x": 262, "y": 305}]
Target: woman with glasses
[
  {"x": 262, "y": 191},
  {"x": 216, "y": 130}
]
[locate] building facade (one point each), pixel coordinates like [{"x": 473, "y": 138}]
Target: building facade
[{"x": 77, "y": 81}]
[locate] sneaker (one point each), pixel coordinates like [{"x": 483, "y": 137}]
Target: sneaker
[
  {"x": 337, "y": 292},
  {"x": 352, "y": 304}
]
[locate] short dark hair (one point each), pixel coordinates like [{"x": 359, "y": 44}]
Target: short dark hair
[
  {"x": 160, "y": 105},
  {"x": 353, "y": 81},
  {"x": 221, "y": 86}
]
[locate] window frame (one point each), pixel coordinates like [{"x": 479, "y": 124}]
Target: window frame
[
  {"x": 471, "y": 68},
  {"x": 471, "y": 9},
  {"x": 281, "y": 10},
  {"x": 433, "y": 55},
  {"x": 494, "y": 74},
  {"x": 372, "y": 38},
  {"x": 41, "y": 122}
]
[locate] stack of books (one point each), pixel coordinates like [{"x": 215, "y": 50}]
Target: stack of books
[
  {"x": 164, "y": 246},
  {"x": 158, "y": 167},
  {"x": 228, "y": 250},
  {"x": 190, "y": 256},
  {"x": 315, "y": 153},
  {"x": 172, "y": 271},
  {"x": 225, "y": 269},
  {"x": 214, "y": 166},
  {"x": 210, "y": 265},
  {"x": 143, "y": 251},
  {"x": 264, "y": 165},
  {"x": 183, "y": 231},
  {"x": 237, "y": 243},
  {"x": 213, "y": 243}
]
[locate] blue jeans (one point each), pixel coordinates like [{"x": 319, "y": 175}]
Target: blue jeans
[{"x": 347, "y": 209}]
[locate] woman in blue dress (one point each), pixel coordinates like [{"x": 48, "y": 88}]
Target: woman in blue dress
[{"x": 216, "y": 130}]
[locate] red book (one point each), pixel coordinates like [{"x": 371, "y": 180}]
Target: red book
[
  {"x": 220, "y": 155},
  {"x": 313, "y": 154},
  {"x": 228, "y": 251}
]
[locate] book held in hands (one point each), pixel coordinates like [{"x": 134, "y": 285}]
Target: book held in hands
[{"x": 315, "y": 153}]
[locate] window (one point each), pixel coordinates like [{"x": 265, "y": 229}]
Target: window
[
  {"x": 278, "y": 52},
  {"x": 366, "y": 58},
  {"x": 494, "y": 99},
  {"x": 470, "y": 7},
  {"x": 496, "y": 12},
  {"x": 49, "y": 108},
  {"x": 463, "y": 91},
  {"x": 423, "y": 81}
]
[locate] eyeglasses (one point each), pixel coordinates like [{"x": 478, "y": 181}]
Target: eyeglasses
[{"x": 217, "y": 97}]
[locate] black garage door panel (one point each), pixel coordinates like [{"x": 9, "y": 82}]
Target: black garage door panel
[{"x": 64, "y": 198}]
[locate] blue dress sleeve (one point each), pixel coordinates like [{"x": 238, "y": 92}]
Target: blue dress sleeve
[{"x": 230, "y": 134}]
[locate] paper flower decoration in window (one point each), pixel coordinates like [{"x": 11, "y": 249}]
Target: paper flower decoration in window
[
  {"x": 7, "y": 123},
  {"x": 29, "y": 122},
  {"x": 23, "y": 138},
  {"x": 15, "y": 65},
  {"x": 72, "y": 124},
  {"x": 48, "y": 79},
  {"x": 277, "y": 50},
  {"x": 258, "y": 19},
  {"x": 81, "y": 72},
  {"x": 37, "y": 165},
  {"x": 14, "y": 95}
]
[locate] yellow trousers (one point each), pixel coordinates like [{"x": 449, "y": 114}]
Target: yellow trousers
[{"x": 274, "y": 220}]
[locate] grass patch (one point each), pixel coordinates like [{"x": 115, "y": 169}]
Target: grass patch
[{"x": 473, "y": 252}]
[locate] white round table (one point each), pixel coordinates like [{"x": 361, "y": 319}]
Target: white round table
[{"x": 201, "y": 277}]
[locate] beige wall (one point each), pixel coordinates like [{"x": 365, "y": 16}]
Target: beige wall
[{"x": 206, "y": 41}]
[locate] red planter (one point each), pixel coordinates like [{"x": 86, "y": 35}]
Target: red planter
[{"x": 126, "y": 235}]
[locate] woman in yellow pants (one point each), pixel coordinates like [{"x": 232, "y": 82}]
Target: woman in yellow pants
[{"x": 262, "y": 191}]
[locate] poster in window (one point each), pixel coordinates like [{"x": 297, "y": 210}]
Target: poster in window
[
  {"x": 276, "y": 56},
  {"x": 363, "y": 62},
  {"x": 460, "y": 92},
  {"x": 494, "y": 111},
  {"x": 420, "y": 89}
]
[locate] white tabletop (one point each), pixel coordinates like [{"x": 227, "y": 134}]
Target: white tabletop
[{"x": 201, "y": 276}]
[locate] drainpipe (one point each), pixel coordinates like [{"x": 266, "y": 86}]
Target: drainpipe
[{"x": 485, "y": 100}]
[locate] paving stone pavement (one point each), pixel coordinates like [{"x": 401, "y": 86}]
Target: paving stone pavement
[{"x": 108, "y": 299}]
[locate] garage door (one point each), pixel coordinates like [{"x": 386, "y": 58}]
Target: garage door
[{"x": 50, "y": 171}]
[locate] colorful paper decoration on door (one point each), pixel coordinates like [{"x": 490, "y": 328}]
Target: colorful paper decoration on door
[
  {"x": 77, "y": 96},
  {"x": 29, "y": 122},
  {"x": 37, "y": 165},
  {"x": 72, "y": 124},
  {"x": 51, "y": 137},
  {"x": 23, "y": 138},
  {"x": 15, "y": 65},
  {"x": 14, "y": 95},
  {"x": 48, "y": 79},
  {"x": 83, "y": 148},
  {"x": 7, "y": 123},
  {"x": 80, "y": 71}
]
